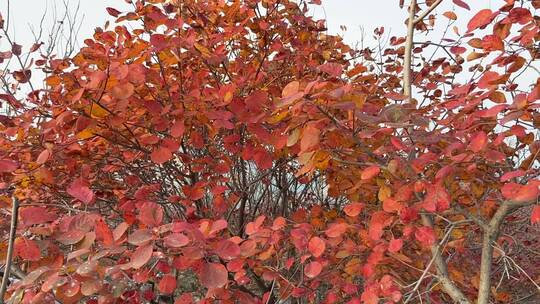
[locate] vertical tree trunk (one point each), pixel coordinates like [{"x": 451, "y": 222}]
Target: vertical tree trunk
[
  {"x": 407, "y": 61},
  {"x": 9, "y": 255}
]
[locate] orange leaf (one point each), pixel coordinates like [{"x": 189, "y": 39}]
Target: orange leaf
[
  {"x": 140, "y": 237},
  {"x": 395, "y": 245},
  {"x": 151, "y": 214},
  {"x": 176, "y": 240},
  {"x": 27, "y": 249},
  {"x": 492, "y": 43},
  {"x": 391, "y": 205},
  {"x": 353, "y": 209},
  {"x": 79, "y": 190},
  {"x": 167, "y": 284},
  {"x": 123, "y": 90},
  {"x": 228, "y": 250},
  {"x": 535, "y": 215},
  {"x": 161, "y": 155},
  {"x": 213, "y": 275},
  {"x": 450, "y": 15},
  {"x": 482, "y": 18},
  {"x": 478, "y": 142},
  {"x": 310, "y": 137},
  {"x": 313, "y": 269},
  {"x": 141, "y": 256},
  {"x": 290, "y": 89},
  {"x": 370, "y": 172},
  {"x": 425, "y": 235},
  {"x": 103, "y": 232},
  {"x": 336, "y": 229},
  {"x": 316, "y": 246},
  {"x": 521, "y": 193}
]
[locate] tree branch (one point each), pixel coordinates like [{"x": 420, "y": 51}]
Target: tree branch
[
  {"x": 490, "y": 236},
  {"x": 426, "y": 12},
  {"x": 9, "y": 255},
  {"x": 442, "y": 270}
]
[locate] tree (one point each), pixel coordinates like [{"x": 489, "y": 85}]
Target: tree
[{"x": 225, "y": 152}]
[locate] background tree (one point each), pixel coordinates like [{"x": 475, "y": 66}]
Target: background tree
[{"x": 235, "y": 152}]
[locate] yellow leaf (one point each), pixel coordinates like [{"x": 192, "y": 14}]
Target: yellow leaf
[
  {"x": 293, "y": 138},
  {"x": 384, "y": 193},
  {"x": 474, "y": 55},
  {"x": 53, "y": 80},
  {"x": 97, "y": 111},
  {"x": 202, "y": 49},
  {"x": 228, "y": 97},
  {"x": 85, "y": 134}
]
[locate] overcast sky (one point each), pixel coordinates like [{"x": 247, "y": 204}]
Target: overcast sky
[{"x": 353, "y": 14}]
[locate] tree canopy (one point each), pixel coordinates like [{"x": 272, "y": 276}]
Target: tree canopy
[{"x": 235, "y": 152}]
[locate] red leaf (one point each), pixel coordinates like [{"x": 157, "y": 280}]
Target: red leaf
[
  {"x": 353, "y": 209},
  {"x": 103, "y": 232},
  {"x": 22, "y": 76},
  {"x": 151, "y": 214},
  {"x": 395, "y": 245},
  {"x": 425, "y": 235},
  {"x": 313, "y": 269},
  {"x": 520, "y": 15},
  {"x": 27, "y": 249},
  {"x": 370, "y": 172},
  {"x": 462, "y": 4},
  {"x": 520, "y": 193},
  {"x": 458, "y": 50},
  {"x": 437, "y": 198},
  {"x": 510, "y": 175},
  {"x": 167, "y": 284},
  {"x": 141, "y": 256},
  {"x": 161, "y": 155},
  {"x": 113, "y": 12},
  {"x": 262, "y": 158},
  {"x": 185, "y": 298},
  {"x": 492, "y": 43},
  {"x": 8, "y": 165},
  {"x": 481, "y": 19},
  {"x": 159, "y": 41},
  {"x": 177, "y": 130},
  {"x": 478, "y": 142},
  {"x": 79, "y": 190},
  {"x": 213, "y": 275},
  {"x": 36, "y": 215},
  {"x": 535, "y": 215},
  {"x": 379, "y": 220},
  {"x": 228, "y": 250},
  {"x": 336, "y": 229},
  {"x": 176, "y": 240},
  {"x": 331, "y": 68},
  {"x": 316, "y": 246}
]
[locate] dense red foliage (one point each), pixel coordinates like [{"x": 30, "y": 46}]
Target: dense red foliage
[{"x": 237, "y": 145}]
